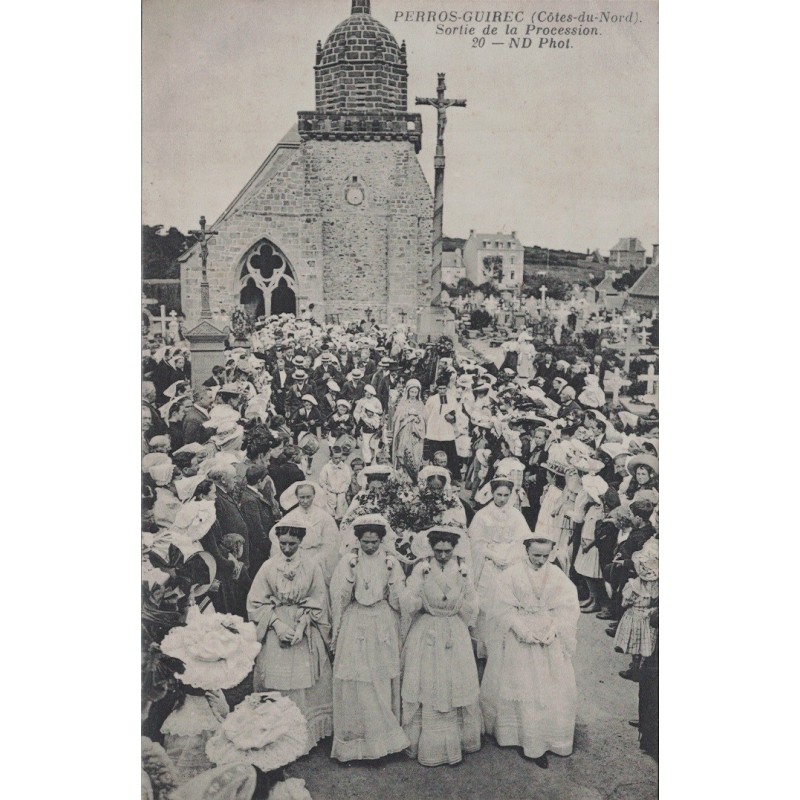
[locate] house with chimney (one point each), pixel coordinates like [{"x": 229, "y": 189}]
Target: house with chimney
[{"x": 495, "y": 257}]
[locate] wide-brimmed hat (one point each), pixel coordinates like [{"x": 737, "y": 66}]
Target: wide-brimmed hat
[
  {"x": 373, "y": 405},
  {"x": 356, "y": 374},
  {"x": 309, "y": 398},
  {"x": 333, "y": 386},
  {"x": 299, "y": 375},
  {"x": 614, "y": 449},
  {"x": 586, "y": 464},
  {"x": 308, "y": 443},
  {"x": 595, "y": 487},
  {"x": 642, "y": 460},
  {"x": 368, "y": 522},
  {"x": 217, "y": 650},
  {"x": 557, "y": 460}
]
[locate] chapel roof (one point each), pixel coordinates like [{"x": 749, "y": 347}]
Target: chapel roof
[{"x": 647, "y": 285}]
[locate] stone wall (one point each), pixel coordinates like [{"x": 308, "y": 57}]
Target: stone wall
[
  {"x": 275, "y": 207},
  {"x": 346, "y": 258},
  {"x": 377, "y": 254}
]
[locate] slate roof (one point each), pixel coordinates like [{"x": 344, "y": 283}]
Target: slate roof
[
  {"x": 628, "y": 245},
  {"x": 647, "y": 285}
]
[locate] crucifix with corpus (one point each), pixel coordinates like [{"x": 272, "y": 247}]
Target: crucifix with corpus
[
  {"x": 441, "y": 104},
  {"x": 202, "y": 236}
]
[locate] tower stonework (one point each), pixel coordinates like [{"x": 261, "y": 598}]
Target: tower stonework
[{"x": 340, "y": 213}]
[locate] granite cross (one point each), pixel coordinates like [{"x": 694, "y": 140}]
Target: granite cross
[
  {"x": 613, "y": 383},
  {"x": 650, "y": 378},
  {"x": 441, "y": 104},
  {"x": 163, "y": 319},
  {"x": 202, "y": 237}
]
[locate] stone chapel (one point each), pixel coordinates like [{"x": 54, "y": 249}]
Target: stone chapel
[{"x": 340, "y": 213}]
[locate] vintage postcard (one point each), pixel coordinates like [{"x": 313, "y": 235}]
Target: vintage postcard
[{"x": 400, "y": 376}]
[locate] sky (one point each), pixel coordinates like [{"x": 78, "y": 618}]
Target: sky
[{"x": 559, "y": 145}]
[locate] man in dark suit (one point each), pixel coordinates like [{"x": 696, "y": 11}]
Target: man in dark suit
[
  {"x": 217, "y": 377},
  {"x": 167, "y": 372},
  {"x": 326, "y": 371},
  {"x": 229, "y": 516},
  {"x": 287, "y": 471},
  {"x": 192, "y": 425},
  {"x": 281, "y": 378},
  {"x": 258, "y": 515},
  {"x": 389, "y": 381},
  {"x": 157, "y": 425},
  {"x": 299, "y": 387},
  {"x": 353, "y": 388}
]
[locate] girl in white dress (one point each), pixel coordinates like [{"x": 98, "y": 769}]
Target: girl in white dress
[
  {"x": 365, "y": 591},
  {"x": 496, "y": 535},
  {"x": 528, "y": 694},
  {"x": 441, "y": 713}
]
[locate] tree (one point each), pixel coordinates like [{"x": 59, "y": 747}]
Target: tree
[
  {"x": 464, "y": 288},
  {"x": 557, "y": 288},
  {"x": 479, "y": 318},
  {"x": 624, "y": 282},
  {"x": 489, "y": 289},
  {"x": 160, "y": 251},
  {"x": 493, "y": 268}
]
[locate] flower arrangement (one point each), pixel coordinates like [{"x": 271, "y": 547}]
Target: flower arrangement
[
  {"x": 241, "y": 324},
  {"x": 266, "y": 730},
  {"x": 407, "y": 509},
  {"x": 218, "y": 650}
]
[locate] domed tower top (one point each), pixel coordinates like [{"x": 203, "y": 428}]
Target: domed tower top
[
  {"x": 361, "y": 84},
  {"x": 361, "y": 67}
]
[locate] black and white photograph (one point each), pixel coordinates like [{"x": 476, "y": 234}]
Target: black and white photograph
[{"x": 400, "y": 400}]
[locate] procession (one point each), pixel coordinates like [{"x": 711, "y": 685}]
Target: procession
[
  {"x": 399, "y": 490},
  {"x": 396, "y": 539}
]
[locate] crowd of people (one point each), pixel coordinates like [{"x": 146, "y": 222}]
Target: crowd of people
[{"x": 412, "y": 534}]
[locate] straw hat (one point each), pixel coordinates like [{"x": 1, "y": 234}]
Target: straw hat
[{"x": 642, "y": 460}]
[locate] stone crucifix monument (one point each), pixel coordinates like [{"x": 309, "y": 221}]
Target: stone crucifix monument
[
  {"x": 206, "y": 342},
  {"x": 430, "y": 320}
]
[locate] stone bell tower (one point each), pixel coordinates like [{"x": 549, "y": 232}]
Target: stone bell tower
[{"x": 340, "y": 213}]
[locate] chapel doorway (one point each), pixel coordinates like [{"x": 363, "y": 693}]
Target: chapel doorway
[{"x": 267, "y": 283}]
